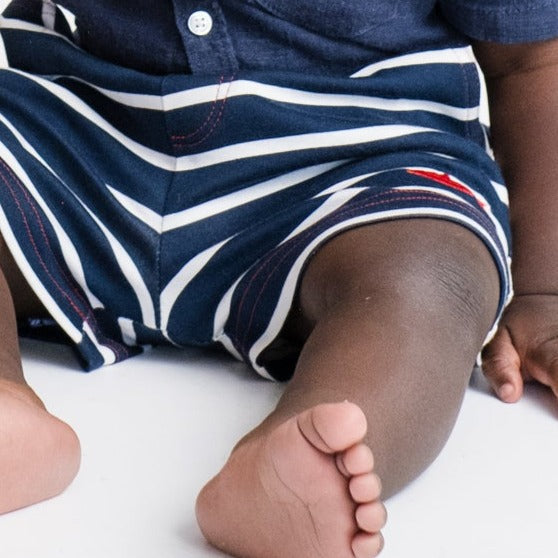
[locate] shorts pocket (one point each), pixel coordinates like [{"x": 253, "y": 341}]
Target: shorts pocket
[{"x": 342, "y": 18}]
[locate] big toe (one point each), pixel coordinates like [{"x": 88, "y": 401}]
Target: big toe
[{"x": 333, "y": 427}]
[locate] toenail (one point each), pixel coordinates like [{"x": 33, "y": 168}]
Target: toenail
[
  {"x": 382, "y": 543},
  {"x": 341, "y": 465}
]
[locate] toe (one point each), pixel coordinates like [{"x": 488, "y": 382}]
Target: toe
[
  {"x": 365, "y": 488},
  {"x": 357, "y": 460},
  {"x": 367, "y": 546},
  {"x": 333, "y": 427},
  {"x": 371, "y": 517}
]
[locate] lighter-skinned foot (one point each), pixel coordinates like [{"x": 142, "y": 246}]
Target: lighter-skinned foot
[
  {"x": 40, "y": 453},
  {"x": 306, "y": 488}
]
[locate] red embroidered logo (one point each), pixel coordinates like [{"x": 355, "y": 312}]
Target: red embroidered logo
[{"x": 447, "y": 180}]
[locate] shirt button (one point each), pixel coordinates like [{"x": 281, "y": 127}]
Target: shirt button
[{"x": 200, "y": 23}]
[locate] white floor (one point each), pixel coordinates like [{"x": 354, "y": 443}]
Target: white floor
[{"x": 154, "y": 428}]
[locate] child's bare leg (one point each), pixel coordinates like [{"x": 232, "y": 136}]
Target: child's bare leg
[
  {"x": 39, "y": 454},
  {"x": 395, "y": 314}
]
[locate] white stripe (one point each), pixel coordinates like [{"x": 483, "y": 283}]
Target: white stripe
[
  {"x": 349, "y": 182},
  {"x": 333, "y": 203},
  {"x": 287, "y": 294},
  {"x": 129, "y": 270},
  {"x": 138, "y": 210},
  {"x": 500, "y": 234},
  {"x": 107, "y": 354},
  {"x": 20, "y": 25},
  {"x": 134, "y": 100},
  {"x": 223, "y": 312},
  {"x": 48, "y": 14},
  {"x": 155, "y": 158},
  {"x": 230, "y": 152},
  {"x": 43, "y": 294},
  {"x": 219, "y": 205},
  {"x": 442, "y": 155},
  {"x": 227, "y": 343},
  {"x": 233, "y": 152},
  {"x": 356, "y": 179},
  {"x": 317, "y": 140},
  {"x": 69, "y": 251},
  {"x": 26, "y": 145},
  {"x": 70, "y": 18},
  {"x": 3, "y": 56},
  {"x": 245, "y": 196},
  {"x": 501, "y": 191},
  {"x": 180, "y": 281},
  {"x": 497, "y": 225},
  {"x": 239, "y": 88},
  {"x": 486, "y": 207},
  {"x": 38, "y": 288},
  {"x": 127, "y": 331},
  {"x": 311, "y": 98},
  {"x": 442, "y": 56},
  {"x": 487, "y": 145}
]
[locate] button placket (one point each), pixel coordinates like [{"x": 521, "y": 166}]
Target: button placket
[{"x": 203, "y": 29}]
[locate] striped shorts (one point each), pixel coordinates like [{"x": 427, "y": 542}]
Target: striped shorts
[{"x": 182, "y": 209}]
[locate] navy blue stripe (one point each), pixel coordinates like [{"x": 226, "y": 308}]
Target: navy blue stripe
[{"x": 86, "y": 161}]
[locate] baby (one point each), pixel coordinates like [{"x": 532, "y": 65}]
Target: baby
[{"x": 306, "y": 184}]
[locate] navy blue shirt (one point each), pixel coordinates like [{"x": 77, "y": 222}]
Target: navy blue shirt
[{"x": 331, "y": 36}]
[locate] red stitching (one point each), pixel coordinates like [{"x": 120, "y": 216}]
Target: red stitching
[
  {"x": 309, "y": 233},
  {"x": 207, "y": 120},
  {"x": 445, "y": 179},
  {"x": 215, "y": 124},
  {"x": 32, "y": 240},
  {"x": 84, "y": 317}
]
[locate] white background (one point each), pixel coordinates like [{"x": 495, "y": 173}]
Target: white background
[{"x": 155, "y": 428}]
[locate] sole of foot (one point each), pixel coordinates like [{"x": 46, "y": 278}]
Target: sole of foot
[{"x": 305, "y": 488}]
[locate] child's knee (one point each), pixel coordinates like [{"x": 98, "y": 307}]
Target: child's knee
[{"x": 422, "y": 264}]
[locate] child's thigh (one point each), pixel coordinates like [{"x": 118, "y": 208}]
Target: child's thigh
[{"x": 25, "y": 300}]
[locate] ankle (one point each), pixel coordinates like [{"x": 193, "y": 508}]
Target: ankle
[{"x": 21, "y": 390}]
